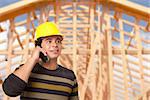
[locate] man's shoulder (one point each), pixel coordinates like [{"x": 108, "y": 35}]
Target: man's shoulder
[{"x": 67, "y": 71}]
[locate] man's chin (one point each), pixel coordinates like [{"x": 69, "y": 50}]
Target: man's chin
[{"x": 54, "y": 57}]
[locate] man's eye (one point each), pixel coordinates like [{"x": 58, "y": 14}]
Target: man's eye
[
  {"x": 58, "y": 41},
  {"x": 49, "y": 41}
]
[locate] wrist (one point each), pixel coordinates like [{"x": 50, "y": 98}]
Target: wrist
[{"x": 32, "y": 60}]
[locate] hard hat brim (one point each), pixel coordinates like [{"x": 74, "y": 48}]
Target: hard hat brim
[{"x": 59, "y": 34}]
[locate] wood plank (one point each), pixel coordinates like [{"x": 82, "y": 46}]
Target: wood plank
[
  {"x": 110, "y": 64},
  {"x": 21, "y": 7},
  {"x": 128, "y": 22},
  {"x": 128, "y": 6},
  {"x": 139, "y": 46},
  {"x": 123, "y": 56},
  {"x": 74, "y": 5},
  {"x": 93, "y": 49},
  {"x": 99, "y": 86}
]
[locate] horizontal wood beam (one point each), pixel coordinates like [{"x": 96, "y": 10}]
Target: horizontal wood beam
[
  {"x": 84, "y": 51},
  {"x": 21, "y": 7},
  {"x": 25, "y": 6},
  {"x": 131, "y": 7}
]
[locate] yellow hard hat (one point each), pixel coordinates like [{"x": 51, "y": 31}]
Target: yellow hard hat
[{"x": 47, "y": 29}]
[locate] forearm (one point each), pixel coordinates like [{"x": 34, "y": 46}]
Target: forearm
[
  {"x": 13, "y": 85},
  {"x": 24, "y": 71},
  {"x": 16, "y": 82}
]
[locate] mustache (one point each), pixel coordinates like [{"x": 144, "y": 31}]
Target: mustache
[{"x": 54, "y": 50}]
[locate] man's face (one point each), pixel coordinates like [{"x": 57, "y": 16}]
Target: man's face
[{"x": 52, "y": 45}]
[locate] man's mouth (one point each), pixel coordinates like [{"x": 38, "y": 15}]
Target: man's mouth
[{"x": 55, "y": 51}]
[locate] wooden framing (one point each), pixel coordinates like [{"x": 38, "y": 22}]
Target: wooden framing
[{"x": 110, "y": 61}]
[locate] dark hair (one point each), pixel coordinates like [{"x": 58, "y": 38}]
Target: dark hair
[{"x": 38, "y": 42}]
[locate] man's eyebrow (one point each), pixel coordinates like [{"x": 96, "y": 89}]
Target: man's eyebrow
[
  {"x": 58, "y": 38},
  {"x": 48, "y": 38}
]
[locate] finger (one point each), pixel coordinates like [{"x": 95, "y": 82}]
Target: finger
[{"x": 43, "y": 51}]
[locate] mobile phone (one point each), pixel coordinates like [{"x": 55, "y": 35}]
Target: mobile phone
[{"x": 43, "y": 57}]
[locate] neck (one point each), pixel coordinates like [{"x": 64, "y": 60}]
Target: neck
[{"x": 51, "y": 65}]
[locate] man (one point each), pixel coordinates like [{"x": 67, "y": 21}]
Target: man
[{"x": 39, "y": 79}]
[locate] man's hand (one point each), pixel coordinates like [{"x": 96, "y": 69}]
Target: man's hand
[{"x": 36, "y": 53}]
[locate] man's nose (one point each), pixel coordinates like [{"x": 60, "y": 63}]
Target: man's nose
[{"x": 53, "y": 43}]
